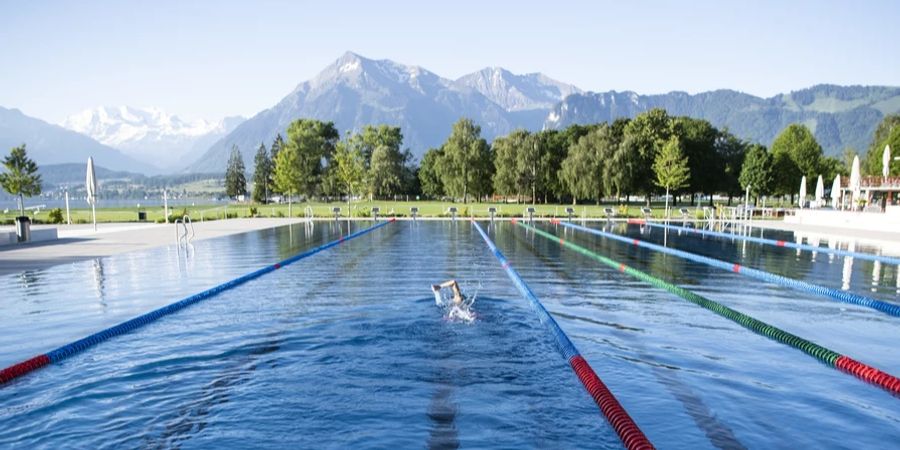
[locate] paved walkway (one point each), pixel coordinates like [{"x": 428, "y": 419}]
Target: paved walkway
[
  {"x": 80, "y": 242},
  {"x": 846, "y": 234}
]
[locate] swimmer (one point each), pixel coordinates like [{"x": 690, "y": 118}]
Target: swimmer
[
  {"x": 458, "y": 298},
  {"x": 457, "y": 309}
]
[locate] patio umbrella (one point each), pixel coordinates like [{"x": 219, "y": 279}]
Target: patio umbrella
[
  {"x": 836, "y": 191},
  {"x": 91, "y": 186},
  {"x": 886, "y": 162},
  {"x": 855, "y": 182},
  {"x": 802, "y": 191},
  {"x": 820, "y": 192}
]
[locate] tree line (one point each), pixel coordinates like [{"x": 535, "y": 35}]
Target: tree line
[{"x": 650, "y": 154}]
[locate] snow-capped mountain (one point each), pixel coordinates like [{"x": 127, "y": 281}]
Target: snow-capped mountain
[
  {"x": 52, "y": 144},
  {"x": 150, "y": 134},
  {"x": 518, "y": 92}
]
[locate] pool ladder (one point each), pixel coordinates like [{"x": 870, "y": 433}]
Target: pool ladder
[{"x": 183, "y": 238}]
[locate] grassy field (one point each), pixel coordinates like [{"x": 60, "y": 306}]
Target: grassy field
[{"x": 357, "y": 209}]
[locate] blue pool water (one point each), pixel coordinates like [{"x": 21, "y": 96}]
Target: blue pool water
[{"x": 347, "y": 348}]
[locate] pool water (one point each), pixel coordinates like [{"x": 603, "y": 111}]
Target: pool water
[{"x": 348, "y": 349}]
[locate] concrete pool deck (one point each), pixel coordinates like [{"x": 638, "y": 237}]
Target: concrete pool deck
[{"x": 81, "y": 242}]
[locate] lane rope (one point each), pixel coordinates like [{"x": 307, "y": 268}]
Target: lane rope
[
  {"x": 629, "y": 433},
  {"x": 831, "y": 358},
  {"x": 774, "y": 242},
  {"x": 836, "y": 294},
  {"x": 17, "y": 370}
]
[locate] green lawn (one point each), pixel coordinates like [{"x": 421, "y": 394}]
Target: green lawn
[{"x": 358, "y": 209}]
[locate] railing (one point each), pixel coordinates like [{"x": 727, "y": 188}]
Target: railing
[{"x": 184, "y": 238}]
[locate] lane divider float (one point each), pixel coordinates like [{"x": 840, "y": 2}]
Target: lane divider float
[
  {"x": 831, "y": 358},
  {"x": 836, "y": 294},
  {"x": 632, "y": 436},
  {"x": 774, "y": 242},
  {"x": 17, "y": 370}
]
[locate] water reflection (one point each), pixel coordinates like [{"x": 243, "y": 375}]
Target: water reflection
[
  {"x": 99, "y": 280},
  {"x": 29, "y": 280},
  {"x": 848, "y": 267},
  {"x": 876, "y": 275}
]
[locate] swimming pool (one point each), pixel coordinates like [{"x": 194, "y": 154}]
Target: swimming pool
[{"x": 346, "y": 348}]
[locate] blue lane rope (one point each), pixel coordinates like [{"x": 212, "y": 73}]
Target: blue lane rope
[
  {"x": 777, "y": 243},
  {"x": 629, "y": 433},
  {"x": 842, "y": 296},
  {"x": 563, "y": 344},
  {"x": 80, "y": 345}
]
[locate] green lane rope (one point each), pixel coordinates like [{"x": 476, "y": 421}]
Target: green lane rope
[{"x": 829, "y": 357}]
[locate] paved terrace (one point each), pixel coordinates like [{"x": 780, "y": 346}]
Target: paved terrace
[{"x": 81, "y": 242}]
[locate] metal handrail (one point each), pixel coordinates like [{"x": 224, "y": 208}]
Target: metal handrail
[
  {"x": 178, "y": 235},
  {"x": 187, "y": 220}
]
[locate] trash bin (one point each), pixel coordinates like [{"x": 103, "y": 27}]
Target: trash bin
[
  {"x": 142, "y": 216},
  {"x": 23, "y": 228}
]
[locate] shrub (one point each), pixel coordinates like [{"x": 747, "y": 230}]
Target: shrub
[
  {"x": 55, "y": 216},
  {"x": 279, "y": 213},
  {"x": 253, "y": 211},
  {"x": 363, "y": 212}
]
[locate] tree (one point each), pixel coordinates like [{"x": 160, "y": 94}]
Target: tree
[
  {"x": 430, "y": 173},
  {"x": 466, "y": 161},
  {"x": 386, "y": 171},
  {"x": 528, "y": 161},
  {"x": 553, "y": 145},
  {"x": 644, "y": 136},
  {"x": 235, "y": 179},
  {"x": 730, "y": 151},
  {"x": 785, "y": 175},
  {"x": 314, "y": 143},
  {"x": 409, "y": 175},
  {"x": 350, "y": 166},
  {"x": 507, "y": 179},
  {"x": 671, "y": 168},
  {"x": 482, "y": 170},
  {"x": 579, "y": 172},
  {"x": 277, "y": 145},
  {"x": 887, "y": 133},
  {"x": 287, "y": 175},
  {"x": 800, "y": 145},
  {"x": 700, "y": 142},
  {"x": 21, "y": 178},
  {"x": 757, "y": 171},
  {"x": 262, "y": 175},
  {"x": 371, "y": 137}
]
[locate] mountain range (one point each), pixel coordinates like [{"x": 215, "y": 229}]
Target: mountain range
[
  {"x": 355, "y": 91},
  {"x": 53, "y": 144},
  {"x": 148, "y": 134},
  {"x": 840, "y": 116}
]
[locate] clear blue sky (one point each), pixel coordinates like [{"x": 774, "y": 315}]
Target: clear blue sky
[{"x": 208, "y": 59}]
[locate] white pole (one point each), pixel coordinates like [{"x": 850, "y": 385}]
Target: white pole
[
  {"x": 166, "y": 205},
  {"x": 94, "y": 213},
  {"x": 667, "y": 204},
  {"x": 747, "y": 203},
  {"x": 68, "y": 217}
]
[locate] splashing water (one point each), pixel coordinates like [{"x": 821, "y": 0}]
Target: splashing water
[{"x": 453, "y": 312}]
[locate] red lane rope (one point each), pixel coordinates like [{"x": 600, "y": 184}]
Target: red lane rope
[
  {"x": 869, "y": 373},
  {"x": 17, "y": 370},
  {"x": 628, "y": 431}
]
